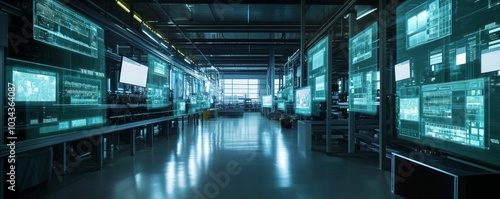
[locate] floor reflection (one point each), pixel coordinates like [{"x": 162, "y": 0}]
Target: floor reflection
[
  {"x": 282, "y": 162},
  {"x": 228, "y": 158}
]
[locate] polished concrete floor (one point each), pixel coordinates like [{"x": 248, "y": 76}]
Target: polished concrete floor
[{"x": 231, "y": 158}]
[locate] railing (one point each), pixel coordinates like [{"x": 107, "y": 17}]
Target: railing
[{"x": 33, "y": 144}]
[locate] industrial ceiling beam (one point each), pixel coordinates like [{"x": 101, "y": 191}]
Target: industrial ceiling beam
[
  {"x": 292, "y": 47},
  {"x": 248, "y": 48},
  {"x": 198, "y": 41},
  {"x": 232, "y": 2},
  {"x": 246, "y": 59},
  {"x": 235, "y": 27},
  {"x": 232, "y": 24},
  {"x": 237, "y": 30},
  {"x": 242, "y": 65},
  {"x": 240, "y": 61},
  {"x": 243, "y": 55}
]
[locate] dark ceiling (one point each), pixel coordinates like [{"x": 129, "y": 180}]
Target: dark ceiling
[{"x": 235, "y": 35}]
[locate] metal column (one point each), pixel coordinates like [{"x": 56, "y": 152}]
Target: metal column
[
  {"x": 351, "y": 147},
  {"x": 169, "y": 125},
  {"x": 63, "y": 157},
  {"x": 100, "y": 152},
  {"x": 272, "y": 69},
  {"x": 150, "y": 134},
  {"x": 132, "y": 141},
  {"x": 303, "y": 71},
  {"x": 328, "y": 85},
  {"x": 384, "y": 83},
  {"x": 177, "y": 124}
]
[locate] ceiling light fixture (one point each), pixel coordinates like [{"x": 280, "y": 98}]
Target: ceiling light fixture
[
  {"x": 188, "y": 7},
  {"x": 123, "y": 5},
  {"x": 366, "y": 13},
  {"x": 137, "y": 17},
  {"x": 147, "y": 34},
  {"x": 164, "y": 45}
]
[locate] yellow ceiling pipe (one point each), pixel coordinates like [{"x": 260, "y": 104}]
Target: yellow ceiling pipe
[{"x": 123, "y": 5}]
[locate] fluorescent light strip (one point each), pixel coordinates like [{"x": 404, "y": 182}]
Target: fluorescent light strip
[
  {"x": 494, "y": 30},
  {"x": 366, "y": 13},
  {"x": 137, "y": 17},
  {"x": 494, "y": 42},
  {"x": 164, "y": 45},
  {"x": 494, "y": 46},
  {"x": 151, "y": 37},
  {"x": 123, "y": 5}
]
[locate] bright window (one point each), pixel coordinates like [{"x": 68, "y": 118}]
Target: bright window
[{"x": 242, "y": 88}]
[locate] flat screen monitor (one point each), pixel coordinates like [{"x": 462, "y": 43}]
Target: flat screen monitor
[
  {"x": 133, "y": 73},
  {"x": 267, "y": 101},
  {"x": 489, "y": 60},
  {"x": 303, "y": 101},
  {"x": 34, "y": 85},
  {"x": 402, "y": 70},
  {"x": 450, "y": 106},
  {"x": 281, "y": 106}
]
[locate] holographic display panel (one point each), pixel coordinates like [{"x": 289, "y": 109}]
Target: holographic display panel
[
  {"x": 267, "y": 101},
  {"x": 59, "y": 26},
  {"x": 34, "y": 85},
  {"x": 158, "y": 83},
  {"x": 363, "y": 71},
  {"x": 303, "y": 101},
  {"x": 449, "y": 97},
  {"x": 317, "y": 60}
]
